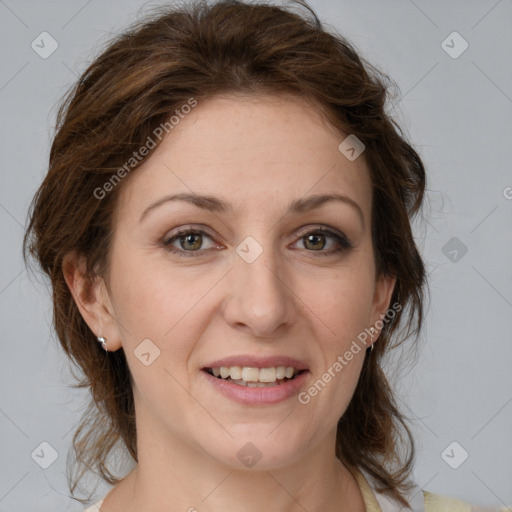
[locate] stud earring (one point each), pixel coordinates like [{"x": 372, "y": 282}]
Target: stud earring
[{"x": 103, "y": 342}]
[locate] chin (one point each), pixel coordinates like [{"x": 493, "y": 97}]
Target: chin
[{"x": 252, "y": 451}]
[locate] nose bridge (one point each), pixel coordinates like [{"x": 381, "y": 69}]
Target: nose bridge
[{"x": 258, "y": 296}]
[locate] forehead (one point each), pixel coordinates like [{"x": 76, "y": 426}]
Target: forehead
[{"x": 258, "y": 152}]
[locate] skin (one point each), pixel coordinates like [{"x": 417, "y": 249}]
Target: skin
[{"x": 258, "y": 154}]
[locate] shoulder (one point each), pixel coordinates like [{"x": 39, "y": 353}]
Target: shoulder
[
  {"x": 438, "y": 503},
  {"x": 420, "y": 500}
]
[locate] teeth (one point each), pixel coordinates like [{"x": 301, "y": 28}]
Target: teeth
[
  {"x": 280, "y": 372},
  {"x": 235, "y": 372},
  {"x": 268, "y": 374},
  {"x": 252, "y": 377},
  {"x": 249, "y": 374}
]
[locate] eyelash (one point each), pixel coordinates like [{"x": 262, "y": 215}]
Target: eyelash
[{"x": 343, "y": 242}]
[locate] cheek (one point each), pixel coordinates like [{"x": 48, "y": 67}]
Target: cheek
[
  {"x": 165, "y": 306},
  {"x": 157, "y": 301},
  {"x": 340, "y": 304},
  {"x": 341, "y": 314}
]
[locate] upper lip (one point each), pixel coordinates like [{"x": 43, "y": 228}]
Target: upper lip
[{"x": 257, "y": 362}]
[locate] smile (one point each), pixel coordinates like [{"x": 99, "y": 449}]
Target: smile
[
  {"x": 256, "y": 386},
  {"x": 255, "y": 377}
]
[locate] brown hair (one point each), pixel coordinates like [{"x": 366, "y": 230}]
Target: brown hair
[{"x": 135, "y": 85}]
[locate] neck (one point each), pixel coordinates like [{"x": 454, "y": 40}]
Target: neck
[
  {"x": 207, "y": 486},
  {"x": 173, "y": 474}
]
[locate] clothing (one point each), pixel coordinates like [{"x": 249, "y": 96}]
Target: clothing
[
  {"x": 95, "y": 507},
  {"x": 421, "y": 501}
]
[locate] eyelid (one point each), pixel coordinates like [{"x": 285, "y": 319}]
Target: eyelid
[{"x": 322, "y": 228}]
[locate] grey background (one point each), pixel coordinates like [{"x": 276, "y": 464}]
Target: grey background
[{"x": 458, "y": 114}]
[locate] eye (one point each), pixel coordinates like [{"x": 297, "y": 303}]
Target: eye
[
  {"x": 190, "y": 241},
  {"x": 321, "y": 238},
  {"x": 187, "y": 241}
]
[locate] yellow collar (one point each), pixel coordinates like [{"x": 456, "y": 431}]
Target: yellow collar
[{"x": 369, "y": 498}]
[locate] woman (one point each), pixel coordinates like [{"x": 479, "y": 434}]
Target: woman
[{"x": 226, "y": 225}]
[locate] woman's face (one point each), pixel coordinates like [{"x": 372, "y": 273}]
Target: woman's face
[{"x": 254, "y": 278}]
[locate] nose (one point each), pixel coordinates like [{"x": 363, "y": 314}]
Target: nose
[{"x": 259, "y": 296}]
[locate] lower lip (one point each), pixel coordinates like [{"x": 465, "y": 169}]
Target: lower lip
[{"x": 255, "y": 396}]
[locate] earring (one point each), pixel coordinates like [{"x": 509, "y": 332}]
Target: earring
[
  {"x": 103, "y": 342},
  {"x": 372, "y": 332}
]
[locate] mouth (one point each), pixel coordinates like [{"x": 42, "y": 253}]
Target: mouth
[{"x": 248, "y": 376}]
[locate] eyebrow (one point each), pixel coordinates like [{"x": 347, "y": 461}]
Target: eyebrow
[{"x": 217, "y": 205}]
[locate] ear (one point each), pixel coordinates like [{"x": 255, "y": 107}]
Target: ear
[
  {"x": 384, "y": 286},
  {"x": 92, "y": 299}
]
